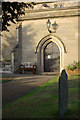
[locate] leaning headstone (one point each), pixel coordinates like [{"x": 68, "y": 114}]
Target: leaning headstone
[{"x": 63, "y": 93}]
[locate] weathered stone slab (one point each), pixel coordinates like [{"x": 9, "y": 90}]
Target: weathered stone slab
[{"x": 63, "y": 93}]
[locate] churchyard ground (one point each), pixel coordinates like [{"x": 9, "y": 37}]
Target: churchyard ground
[{"x": 42, "y": 102}]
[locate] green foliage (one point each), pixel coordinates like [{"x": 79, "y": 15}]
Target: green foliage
[
  {"x": 11, "y": 11},
  {"x": 3, "y": 81},
  {"x": 76, "y": 65},
  {"x": 71, "y": 67},
  {"x": 74, "y": 62}
]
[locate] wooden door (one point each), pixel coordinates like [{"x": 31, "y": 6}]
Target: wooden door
[{"x": 51, "y": 58}]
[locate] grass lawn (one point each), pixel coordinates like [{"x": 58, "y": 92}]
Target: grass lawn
[
  {"x": 5, "y": 77},
  {"x": 3, "y": 80},
  {"x": 43, "y": 102},
  {"x": 7, "y": 80}
]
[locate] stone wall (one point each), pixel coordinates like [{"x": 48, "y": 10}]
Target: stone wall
[
  {"x": 33, "y": 31},
  {"x": 79, "y": 39},
  {"x": 8, "y": 42},
  {"x": 17, "y": 51}
]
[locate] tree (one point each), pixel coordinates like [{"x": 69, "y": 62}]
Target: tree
[{"x": 11, "y": 11}]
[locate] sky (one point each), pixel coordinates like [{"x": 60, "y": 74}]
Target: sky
[{"x": 37, "y": 0}]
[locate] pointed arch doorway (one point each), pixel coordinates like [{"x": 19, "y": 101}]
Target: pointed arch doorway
[
  {"x": 41, "y": 51},
  {"x": 51, "y": 58}
]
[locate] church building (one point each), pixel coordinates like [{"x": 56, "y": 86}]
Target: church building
[{"x": 47, "y": 36}]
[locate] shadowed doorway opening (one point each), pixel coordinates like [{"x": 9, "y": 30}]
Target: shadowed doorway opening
[{"x": 51, "y": 58}]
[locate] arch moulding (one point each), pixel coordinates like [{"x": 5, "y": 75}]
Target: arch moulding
[{"x": 40, "y": 51}]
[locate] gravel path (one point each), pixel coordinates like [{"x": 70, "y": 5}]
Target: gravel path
[{"x": 21, "y": 85}]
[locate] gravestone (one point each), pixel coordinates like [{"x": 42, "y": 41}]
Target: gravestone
[{"x": 63, "y": 93}]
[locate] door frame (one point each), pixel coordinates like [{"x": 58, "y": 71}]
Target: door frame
[{"x": 40, "y": 51}]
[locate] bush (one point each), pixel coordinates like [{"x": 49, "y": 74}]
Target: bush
[
  {"x": 76, "y": 65},
  {"x": 71, "y": 67}
]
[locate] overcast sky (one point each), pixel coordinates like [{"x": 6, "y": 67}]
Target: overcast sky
[{"x": 37, "y": 0}]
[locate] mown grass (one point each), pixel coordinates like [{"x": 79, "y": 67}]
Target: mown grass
[
  {"x": 43, "y": 102},
  {"x": 5, "y": 80}
]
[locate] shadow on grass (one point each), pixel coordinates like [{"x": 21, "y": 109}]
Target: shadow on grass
[{"x": 43, "y": 102}]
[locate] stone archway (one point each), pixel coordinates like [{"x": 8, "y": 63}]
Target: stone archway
[{"x": 40, "y": 51}]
